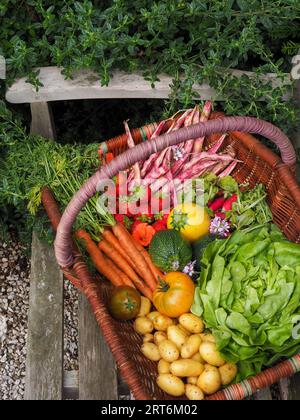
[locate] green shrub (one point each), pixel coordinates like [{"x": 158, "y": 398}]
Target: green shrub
[{"x": 193, "y": 38}]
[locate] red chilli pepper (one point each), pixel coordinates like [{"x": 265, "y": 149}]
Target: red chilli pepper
[{"x": 227, "y": 206}]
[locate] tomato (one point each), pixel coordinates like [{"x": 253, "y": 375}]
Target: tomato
[
  {"x": 191, "y": 220},
  {"x": 125, "y": 303},
  {"x": 175, "y": 294}
]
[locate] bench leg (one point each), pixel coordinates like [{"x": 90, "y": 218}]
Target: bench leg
[
  {"x": 44, "y": 376},
  {"x": 42, "y": 120},
  {"x": 97, "y": 368}
]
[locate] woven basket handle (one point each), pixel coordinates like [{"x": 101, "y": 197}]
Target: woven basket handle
[{"x": 63, "y": 241}]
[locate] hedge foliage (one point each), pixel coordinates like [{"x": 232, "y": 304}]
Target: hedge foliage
[{"x": 199, "y": 40}]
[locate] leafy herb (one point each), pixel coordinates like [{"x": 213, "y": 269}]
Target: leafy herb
[{"x": 192, "y": 41}]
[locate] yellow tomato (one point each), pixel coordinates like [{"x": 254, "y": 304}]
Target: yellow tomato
[
  {"x": 191, "y": 220},
  {"x": 174, "y": 295}
]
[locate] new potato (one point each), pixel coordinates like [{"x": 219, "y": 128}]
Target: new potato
[
  {"x": 192, "y": 380},
  {"x": 152, "y": 315},
  {"x": 151, "y": 351},
  {"x": 186, "y": 332},
  {"x": 145, "y": 307},
  {"x": 159, "y": 336},
  {"x": 209, "y": 380},
  {"x": 191, "y": 346},
  {"x": 163, "y": 366},
  {"x": 192, "y": 323},
  {"x": 143, "y": 325},
  {"x": 198, "y": 358},
  {"x": 162, "y": 322},
  {"x": 148, "y": 338},
  {"x": 186, "y": 367},
  {"x": 193, "y": 392},
  {"x": 176, "y": 335},
  {"x": 210, "y": 354},
  {"x": 228, "y": 372},
  {"x": 207, "y": 337},
  {"x": 171, "y": 384},
  {"x": 168, "y": 351}
]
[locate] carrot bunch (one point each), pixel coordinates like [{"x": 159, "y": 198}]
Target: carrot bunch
[{"x": 121, "y": 259}]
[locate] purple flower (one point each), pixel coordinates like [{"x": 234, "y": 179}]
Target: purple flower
[
  {"x": 178, "y": 152},
  {"x": 219, "y": 227},
  {"x": 189, "y": 269}
]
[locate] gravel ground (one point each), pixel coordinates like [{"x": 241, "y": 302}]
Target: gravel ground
[
  {"x": 14, "y": 300},
  {"x": 14, "y": 303},
  {"x": 71, "y": 327}
]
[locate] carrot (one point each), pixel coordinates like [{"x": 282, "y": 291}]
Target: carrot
[
  {"x": 117, "y": 258},
  {"x": 125, "y": 280},
  {"x": 113, "y": 241},
  {"x": 111, "y": 251},
  {"x": 99, "y": 260},
  {"x": 154, "y": 270},
  {"x": 128, "y": 243}
]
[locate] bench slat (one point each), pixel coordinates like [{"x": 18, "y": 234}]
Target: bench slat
[
  {"x": 86, "y": 85},
  {"x": 97, "y": 369},
  {"x": 44, "y": 378},
  {"x": 290, "y": 388},
  {"x": 263, "y": 394}
]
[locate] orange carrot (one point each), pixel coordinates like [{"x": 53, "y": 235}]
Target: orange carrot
[
  {"x": 110, "y": 238},
  {"x": 117, "y": 258},
  {"x": 99, "y": 260},
  {"x": 154, "y": 270},
  {"x": 111, "y": 251},
  {"x": 128, "y": 243},
  {"x": 125, "y": 280}
]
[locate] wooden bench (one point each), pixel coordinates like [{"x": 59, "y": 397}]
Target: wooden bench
[{"x": 97, "y": 377}]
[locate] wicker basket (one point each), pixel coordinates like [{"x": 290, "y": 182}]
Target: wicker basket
[{"x": 258, "y": 165}]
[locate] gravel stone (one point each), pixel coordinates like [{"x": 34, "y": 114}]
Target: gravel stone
[{"x": 14, "y": 305}]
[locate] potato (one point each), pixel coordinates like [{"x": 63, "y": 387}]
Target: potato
[
  {"x": 168, "y": 351},
  {"x": 186, "y": 332},
  {"x": 198, "y": 358},
  {"x": 191, "y": 346},
  {"x": 210, "y": 354},
  {"x": 176, "y": 335},
  {"x": 186, "y": 367},
  {"x": 171, "y": 384},
  {"x": 210, "y": 380},
  {"x": 163, "y": 366},
  {"x": 207, "y": 337},
  {"x": 192, "y": 380},
  {"x": 148, "y": 338},
  {"x": 152, "y": 315},
  {"x": 193, "y": 392},
  {"x": 228, "y": 372},
  {"x": 145, "y": 306},
  {"x": 162, "y": 322},
  {"x": 151, "y": 351},
  {"x": 191, "y": 323},
  {"x": 143, "y": 325},
  {"x": 159, "y": 336}
]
